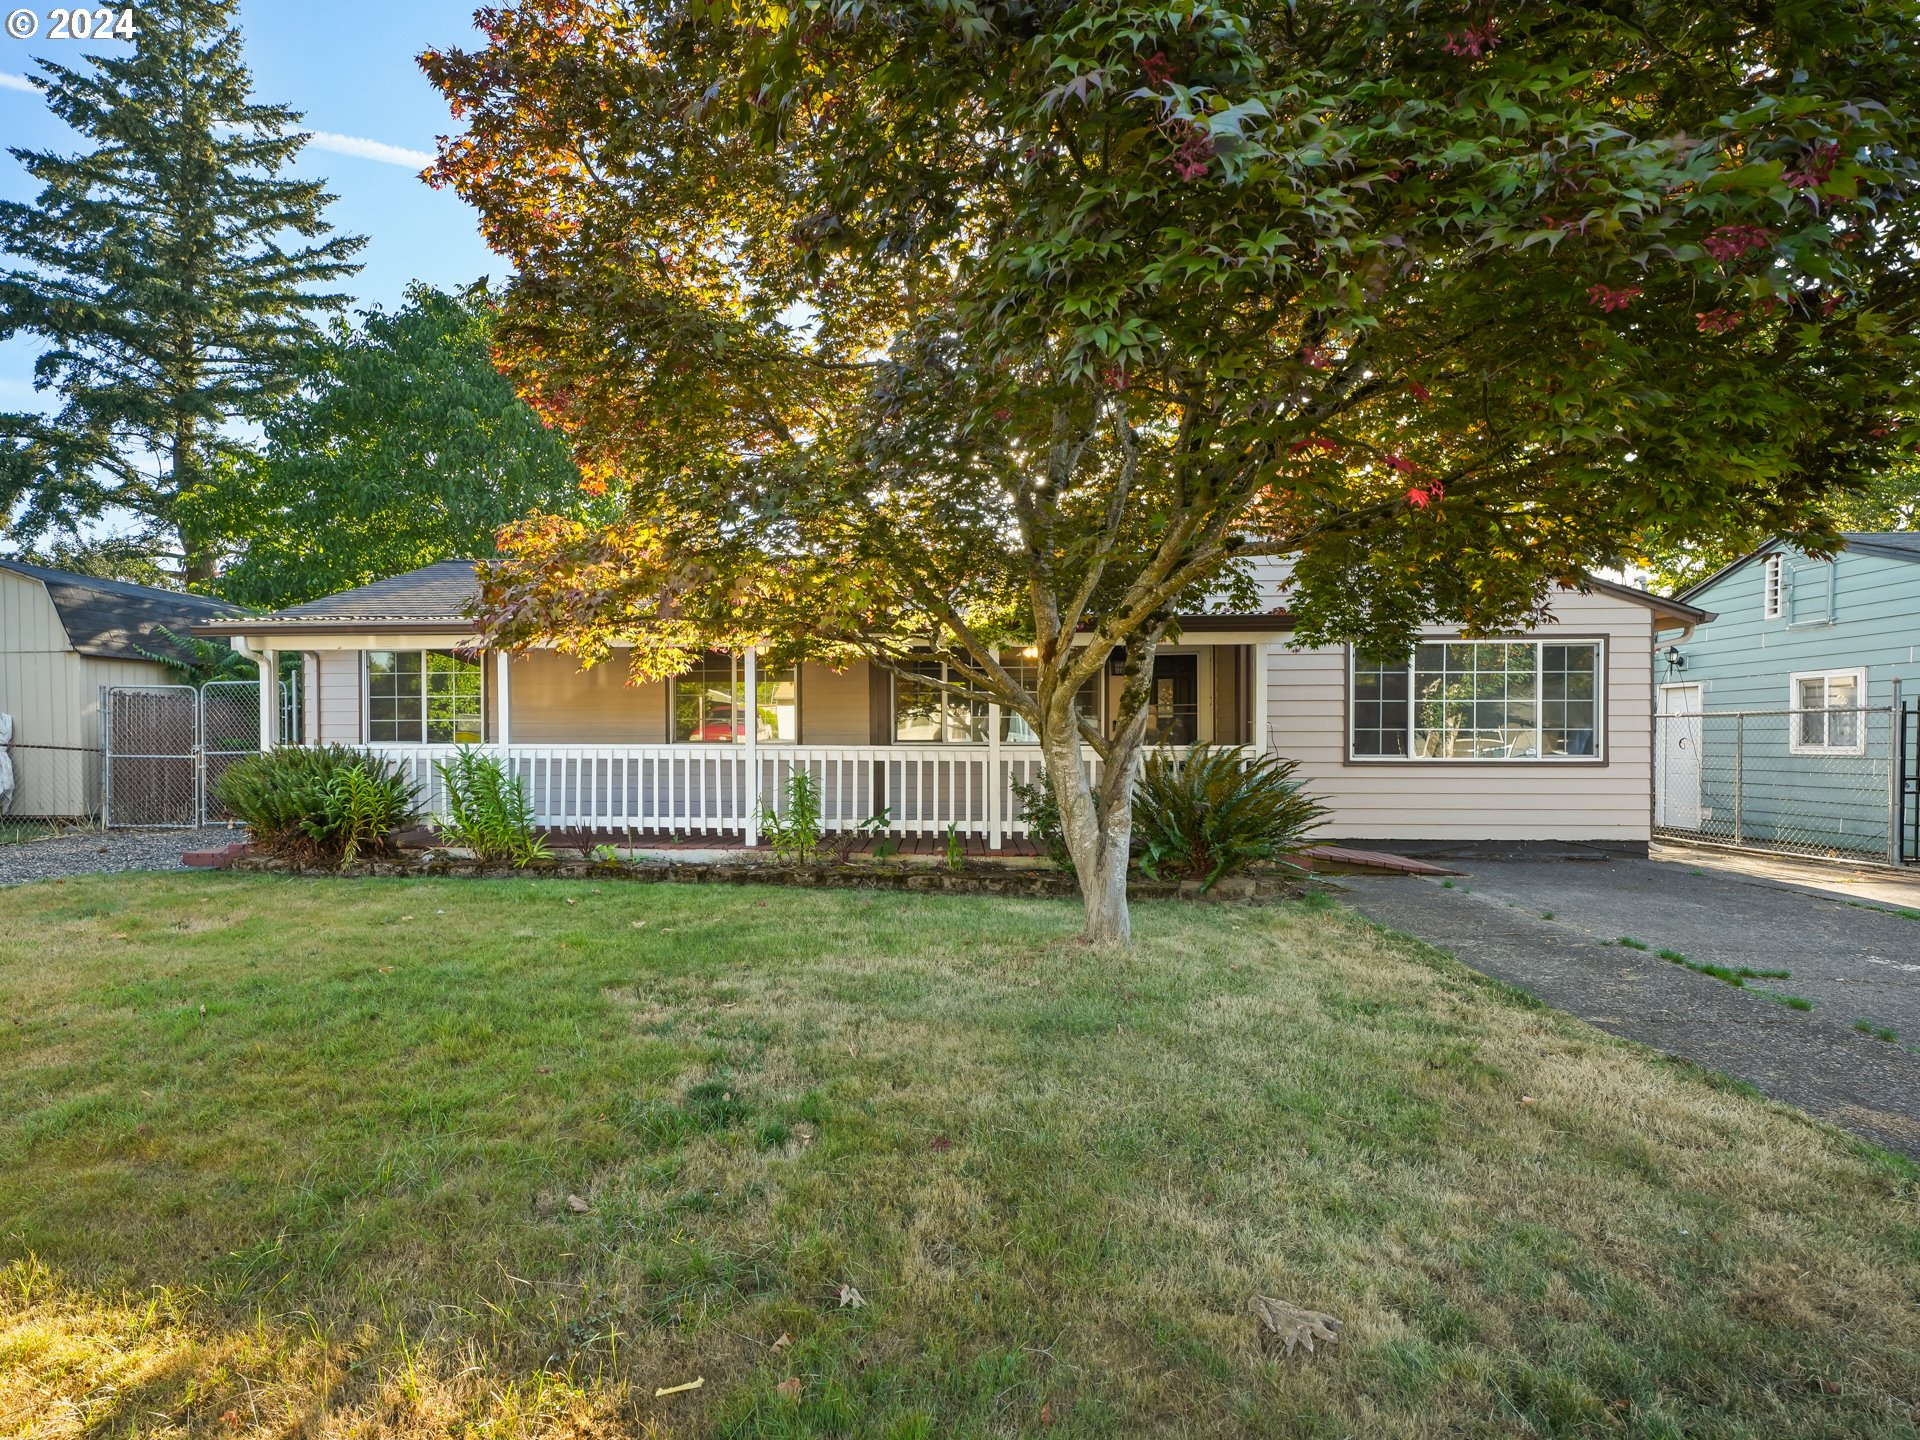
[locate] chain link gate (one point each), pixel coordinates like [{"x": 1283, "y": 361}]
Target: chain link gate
[
  {"x": 152, "y": 745},
  {"x": 167, "y": 747},
  {"x": 229, "y": 730},
  {"x": 1823, "y": 783}
]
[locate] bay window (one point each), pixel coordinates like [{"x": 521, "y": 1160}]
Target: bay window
[
  {"x": 424, "y": 697},
  {"x": 1479, "y": 700}
]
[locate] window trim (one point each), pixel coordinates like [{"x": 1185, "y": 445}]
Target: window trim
[
  {"x": 1773, "y": 582},
  {"x": 366, "y": 691},
  {"x": 893, "y": 713},
  {"x": 1602, "y": 731},
  {"x": 1797, "y": 746}
]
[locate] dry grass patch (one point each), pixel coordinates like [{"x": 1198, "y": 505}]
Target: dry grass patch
[{"x": 295, "y": 1157}]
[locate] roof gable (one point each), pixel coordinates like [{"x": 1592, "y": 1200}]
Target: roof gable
[
  {"x": 1883, "y": 544},
  {"x": 434, "y": 594},
  {"x": 115, "y": 619}
]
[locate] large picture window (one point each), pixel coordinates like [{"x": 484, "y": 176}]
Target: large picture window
[
  {"x": 710, "y": 703},
  {"x": 423, "y": 697},
  {"x": 1479, "y": 700},
  {"x": 923, "y": 711}
]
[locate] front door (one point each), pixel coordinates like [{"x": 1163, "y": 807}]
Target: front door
[
  {"x": 1677, "y": 776},
  {"x": 1175, "y": 713}
]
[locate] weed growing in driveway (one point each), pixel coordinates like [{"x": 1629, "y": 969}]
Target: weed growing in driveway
[
  {"x": 1792, "y": 1002},
  {"x": 1546, "y": 914},
  {"x": 1735, "y": 975},
  {"x": 1879, "y": 1032},
  {"x": 1631, "y": 943}
]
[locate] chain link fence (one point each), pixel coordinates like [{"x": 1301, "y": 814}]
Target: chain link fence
[
  {"x": 48, "y": 790},
  {"x": 1824, "y": 783}
]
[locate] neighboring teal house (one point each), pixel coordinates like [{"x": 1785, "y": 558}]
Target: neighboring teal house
[{"x": 1778, "y": 728}]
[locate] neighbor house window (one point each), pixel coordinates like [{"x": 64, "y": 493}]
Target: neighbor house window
[
  {"x": 1773, "y": 586},
  {"x": 923, "y": 710},
  {"x": 424, "y": 697},
  {"x": 710, "y": 702},
  {"x": 1827, "y": 716},
  {"x": 1479, "y": 700},
  {"x": 1014, "y": 728}
]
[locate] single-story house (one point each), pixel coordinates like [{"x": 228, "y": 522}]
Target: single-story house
[
  {"x": 1540, "y": 736},
  {"x": 65, "y": 638},
  {"x": 1777, "y": 722}
]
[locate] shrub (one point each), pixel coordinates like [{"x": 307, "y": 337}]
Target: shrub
[
  {"x": 795, "y": 835},
  {"x": 1212, "y": 813},
  {"x": 488, "y": 811},
  {"x": 318, "y": 804},
  {"x": 1041, "y": 813}
]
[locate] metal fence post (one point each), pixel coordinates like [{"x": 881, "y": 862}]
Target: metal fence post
[
  {"x": 1894, "y": 777},
  {"x": 1739, "y": 778}
]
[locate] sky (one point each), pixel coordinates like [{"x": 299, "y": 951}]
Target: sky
[{"x": 348, "y": 65}]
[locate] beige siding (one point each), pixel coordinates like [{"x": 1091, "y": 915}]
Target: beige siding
[
  {"x": 1413, "y": 800},
  {"x": 835, "y": 706},
  {"x": 555, "y": 702},
  {"x": 337, "y": 704}
]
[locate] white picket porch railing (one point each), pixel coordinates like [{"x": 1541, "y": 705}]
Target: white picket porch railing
[{"x": 715, "y": 790}]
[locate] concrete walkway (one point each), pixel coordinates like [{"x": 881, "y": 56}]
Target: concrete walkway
[{"x": 1553, "y": 929}]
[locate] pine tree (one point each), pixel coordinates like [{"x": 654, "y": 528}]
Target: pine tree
[{"x": 175, "y": 278}]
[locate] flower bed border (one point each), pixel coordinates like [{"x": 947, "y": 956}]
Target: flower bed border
[{"x": 973, "y": 880}]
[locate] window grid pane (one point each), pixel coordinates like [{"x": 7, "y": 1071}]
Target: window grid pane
[{"x": 1479, "y": 700}]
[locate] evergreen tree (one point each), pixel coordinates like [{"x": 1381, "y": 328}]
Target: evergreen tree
[
  {"x": 175, "y": 277},
  {"x": 403, "y": 446}
]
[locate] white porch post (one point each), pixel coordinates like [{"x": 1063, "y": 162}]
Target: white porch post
[
  {"x": 503, "y": 728},
  {"x": 269, "y": 663},
  {"x": 1262, "y": 739},
  {"x": 995, "y": 825},
  {"x": 750, "y": 792}
]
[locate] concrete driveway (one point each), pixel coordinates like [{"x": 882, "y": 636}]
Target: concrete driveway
[{"x": 1849, "y": 940}]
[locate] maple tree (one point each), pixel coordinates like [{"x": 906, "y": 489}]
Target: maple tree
[{"x": 937, "y": 328}]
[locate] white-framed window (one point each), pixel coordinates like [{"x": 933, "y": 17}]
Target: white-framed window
[
  {"x": 709, "y": 703},
  {"x": 1523, "y": 700},
  {"x": 1827, "y": 717},
  {"x": 1014, "y": 729},
  {"x": 1772, "y": 586},
  {"x": 926, "y": 712},
  {"x": 424, "y": 697}
]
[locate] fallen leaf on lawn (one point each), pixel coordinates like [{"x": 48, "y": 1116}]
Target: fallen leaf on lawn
[
  {"x": 543, "y": 1070},
  {"x": 571, "y": 900},
  {"x": 577, "y": 1205},
  {"x": 782, "y": 1343},
  {"x": 230, "y": 1417},
  {"x": 386, "y": 969},
  {"x": 850, "y": 1298},
  {"x": 1527, "y": 1100},
  {"x": 1285, "y": 1325},
  {"x": 789, "y": 1388},
  {"x": 118, "y": 935},
  {"x": 406, "y": 917},
  {"x": 1046, "y": 1413},
  {"x": 941, "y": 1142},
  {"x": 639, "y": 924},
  {"x": 679, "y": 1389}
]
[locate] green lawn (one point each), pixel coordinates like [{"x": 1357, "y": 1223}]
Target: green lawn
[{"x": 294, "y": 1157}]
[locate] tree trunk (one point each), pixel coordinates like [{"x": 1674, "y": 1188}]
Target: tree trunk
[{"x": 1097, "y": 824}]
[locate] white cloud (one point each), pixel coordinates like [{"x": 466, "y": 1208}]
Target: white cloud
[
  {"x": 16, "y": 82},
  {"x": 370, "y": 150}
]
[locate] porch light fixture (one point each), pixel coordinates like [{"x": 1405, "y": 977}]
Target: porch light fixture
[{"x": 1676, "y": 662}]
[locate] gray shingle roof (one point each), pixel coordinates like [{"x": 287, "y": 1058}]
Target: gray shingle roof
[
  {"x": 114, "y": 619},
  {"x": 1889, "y": 544},
  {"x": 434, "y": 593}
]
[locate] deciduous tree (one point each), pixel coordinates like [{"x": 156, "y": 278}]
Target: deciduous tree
[
  {"x": 938, "y": 326},
  {"x": 404, "y": 445}
]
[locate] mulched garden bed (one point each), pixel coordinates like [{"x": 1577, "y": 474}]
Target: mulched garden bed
[{"x": 968, "y": 880}]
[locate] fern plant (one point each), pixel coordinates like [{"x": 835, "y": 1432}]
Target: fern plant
[
  {"x": 318, "y": 804},
  {"x": 488, "y": 811},
  {"x": 1041, "y": 813},
  {"x": 1212, "y": 813},
  {"x": 794, "y": 834}
]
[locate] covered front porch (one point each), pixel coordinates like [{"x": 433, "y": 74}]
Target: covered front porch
[{"x": 707, "y": 753}]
